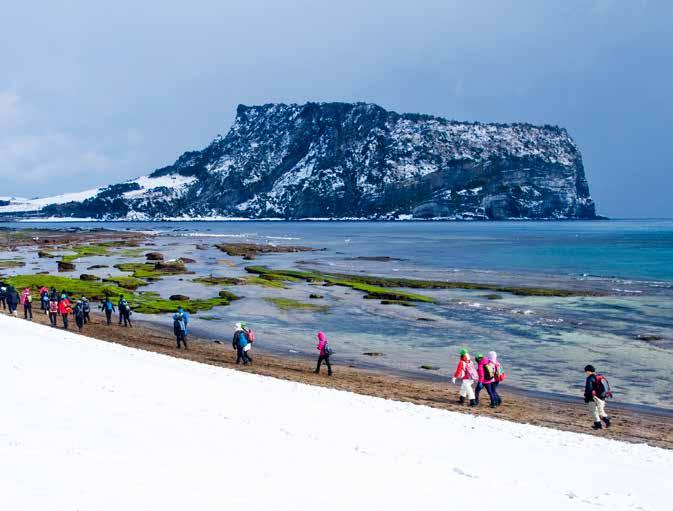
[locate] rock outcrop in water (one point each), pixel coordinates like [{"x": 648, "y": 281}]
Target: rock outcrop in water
[{"x": 338, "y": 160}]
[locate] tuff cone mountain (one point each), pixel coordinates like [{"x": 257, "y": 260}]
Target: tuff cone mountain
[{"x": 339, "y": 160}]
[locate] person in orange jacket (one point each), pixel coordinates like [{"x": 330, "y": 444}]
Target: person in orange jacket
[
  {"x": 466, "y": 372},
  {"x": 64, "y": 309}
]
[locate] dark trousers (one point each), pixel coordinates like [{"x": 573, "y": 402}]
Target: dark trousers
[
  {"x": 80, "y": 322},
  {"x": 87, "y": 319},
  {"x": 52, "y": 318},
  {"x": 489, "y": 388},
  {"x": 324, "y": 358},
  {"x": 3, "y": 302},
  {"x": 27, "y": 310},
  {"x": 12, "y": 307},
  {"x": 125, "y": 316},
  {"x": 45, "y": 306},
  {"x": 495, "y": 393},
  {"x": 108, "y": 317},
  {"x": 64, "y": 317},
  {"x": 242, "y": 355},
  {"x": 181, "y": 339}
]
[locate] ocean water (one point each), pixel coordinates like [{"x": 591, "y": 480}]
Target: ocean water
[{"x": 543, "y": 342}]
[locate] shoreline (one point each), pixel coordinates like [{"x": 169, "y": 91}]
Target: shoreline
[{"x": 519, "y": 406}]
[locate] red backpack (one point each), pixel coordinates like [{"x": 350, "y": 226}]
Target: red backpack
[{"x": 602, "y": 387}]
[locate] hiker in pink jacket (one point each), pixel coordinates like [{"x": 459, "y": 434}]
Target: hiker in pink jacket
[
  {"x": 325, "y": 352},
  {"x": 499, "y": 375},
  {"x": 27, "y": 302},
  {"x": 486, "y": 371}
]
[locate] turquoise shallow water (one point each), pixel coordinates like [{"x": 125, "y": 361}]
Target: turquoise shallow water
[
  {"x": 637, "y": 249},
  {"x": 544, "y": 342}
]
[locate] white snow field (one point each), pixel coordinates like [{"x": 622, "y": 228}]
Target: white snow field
[{"x": 89, "y": 425}]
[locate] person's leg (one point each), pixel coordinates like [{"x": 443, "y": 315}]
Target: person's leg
[
  {"x": 320, "y": 359},
  {"x": 108, "y": 317},
  {"x": 477, "y": 391},
  {"x": 239, "y": 354},
  {"x": 329, "y": 365},
  {"x": 30, "y": 310},
  {"x": 128, "y": 318},
  {"x": 491, "y": 395},
  {"x": 498, "y": 401}
]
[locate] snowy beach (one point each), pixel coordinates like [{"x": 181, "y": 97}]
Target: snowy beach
[{"x": 92, "y": 425}]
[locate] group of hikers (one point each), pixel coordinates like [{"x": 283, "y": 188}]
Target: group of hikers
[
  {"x": 487, "y": 373},
  {"x": 60, "y": 304}
]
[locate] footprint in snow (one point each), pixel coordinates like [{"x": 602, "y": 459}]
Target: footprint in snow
[{"x": 464, "y": 474}]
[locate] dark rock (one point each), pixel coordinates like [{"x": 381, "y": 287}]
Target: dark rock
[
  {"x": 88, "y": 276},
  {"x": 180, "y": 298},
  {"x": 97, "y": 266},
  {"x": 44, "y": 253},
  {"x": 316, "y": 296},
  {"x": 373, "y": 354},
  {"x": 187, "y": 260},
  {"x": 65, "y": 266},
  {"x": 202, "y": 247},
  {"x": 154, "y": 256}
]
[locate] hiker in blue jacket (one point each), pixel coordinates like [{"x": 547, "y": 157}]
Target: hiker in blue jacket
[
  {"x": 108, "y": 307},
  {"x": 185, "y": 316},
  {"x": 596, "y": 390},
  {"x": 239, "y": 342},
  {"x": 180, "y": 328}
]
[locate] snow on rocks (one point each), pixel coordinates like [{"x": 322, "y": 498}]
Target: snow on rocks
[{"x": 91, "y": 425}]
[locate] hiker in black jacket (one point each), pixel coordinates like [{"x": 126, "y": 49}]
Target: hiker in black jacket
[
  {"x": 595, "y": 392},
  {"x": 12, "y": 300},
  {"x": 3, "y": 295}
]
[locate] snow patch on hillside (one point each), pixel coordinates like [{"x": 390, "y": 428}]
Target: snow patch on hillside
[{"x": 136, "y": 430}]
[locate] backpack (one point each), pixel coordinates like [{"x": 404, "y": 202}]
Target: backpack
[
  {"x": 251, "y": 336},
  {"x": 499, "y": 373},
  {"x": 470, "y": 371},
  {"x": 86, "y": 307},
  {"x": 328, "y": 350},
  {"x": 178, "y": 325},
  {"x": 602, "y": 387},
  {"x": 489, "y": 371},
  {"x": 108, "y": 305}
]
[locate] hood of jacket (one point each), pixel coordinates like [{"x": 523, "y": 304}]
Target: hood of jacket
[{"x": 493, "y": 356}]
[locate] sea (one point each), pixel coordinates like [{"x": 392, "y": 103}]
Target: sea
[{"x": 543, "y": 342}]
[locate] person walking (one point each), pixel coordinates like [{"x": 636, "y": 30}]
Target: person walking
[
  {"x": 86, "y": 309},
  {"x": 53, "y": 310},
  {"x": 596, "y": 391},
  {"x": 239, "y": 342},
  {"x": 180, "y": 329},
  {"x": 27, "y": 302},
  {"x": 78, "y": 314},
  {"x": 64, "y": 309},
  {"x": 12, "y": 300},
  {"x": 44, "y": 299},
  {"x": 124, "y": 311},
  {"x": 3, "y": 295},
  {"x": 466, "y": 372},
  {"x": 499, "y": 376},
  {"x": 325, "y": 351},
  {"x": 486, "y": 372},
  {"x": 108, "y": 307}
]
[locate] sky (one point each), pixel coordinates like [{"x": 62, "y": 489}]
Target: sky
[{"x": 93, "y": 93}]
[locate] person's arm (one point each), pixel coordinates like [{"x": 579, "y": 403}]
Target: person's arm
[
  {"x": 459, "y": 369},
  {"x": 589, "y": 390}
]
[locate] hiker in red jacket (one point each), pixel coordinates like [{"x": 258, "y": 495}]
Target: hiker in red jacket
[
  {"x": 325, "y": 351},
  {"x": 466, "y": 372},
  {"x": 64, "y": 309}
]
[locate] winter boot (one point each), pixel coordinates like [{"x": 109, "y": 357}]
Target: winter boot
[
  {"x": 492, "y": 405},
  {"x": 473, "y": 402},
  {"x": 607, "y": 421},
  {"x": 597, "y": 425},
  {"x": 461, "y": 400}
]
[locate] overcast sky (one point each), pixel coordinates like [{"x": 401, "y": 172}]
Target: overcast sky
[{"x": 97, "y": 92}]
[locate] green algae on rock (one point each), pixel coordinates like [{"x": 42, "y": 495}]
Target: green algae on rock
[{"x": 289, "y": 304}]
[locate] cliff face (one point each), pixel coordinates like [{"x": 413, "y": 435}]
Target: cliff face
[{"x": 341, "y": 160}]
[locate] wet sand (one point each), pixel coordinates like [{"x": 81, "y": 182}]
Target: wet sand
[{"x": 637, "y": 427}]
